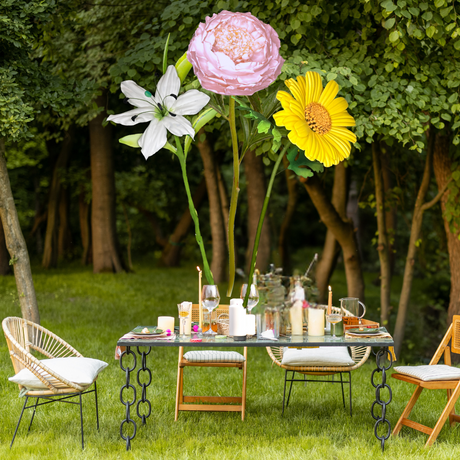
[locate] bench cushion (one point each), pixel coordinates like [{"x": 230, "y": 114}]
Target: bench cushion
[
  {"x": 214, "y": 356},
  {"x": 320, "y": 356},
  {"x": 82, "y": 371},
  {"x": 429, "y": 373}
]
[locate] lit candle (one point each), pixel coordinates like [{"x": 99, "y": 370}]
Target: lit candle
[
  {"x": 329, "y": 302},
  {"x": 200, "y": 307}
]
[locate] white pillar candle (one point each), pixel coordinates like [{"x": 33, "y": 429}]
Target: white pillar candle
[
  {"x": 166, "y": 322},
  {"x": 315, "y": 322},
  {"x": 237, "y": 318},
  {"x": 250, "y": 324},
  {"x": 296, "y": 315}
]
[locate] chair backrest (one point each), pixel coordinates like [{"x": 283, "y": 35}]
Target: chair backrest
[
  {"x": 455, "y": 345},
  {"x": 215, "y": 314}
]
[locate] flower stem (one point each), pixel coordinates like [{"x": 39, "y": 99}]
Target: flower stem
[
  {"x": 261, "y": 221},
  {"x": 193, "y": 212},
  {"x": 233, "y": 199}
]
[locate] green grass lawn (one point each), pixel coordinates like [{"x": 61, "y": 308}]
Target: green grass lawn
[{"x": 92, "y": 311}]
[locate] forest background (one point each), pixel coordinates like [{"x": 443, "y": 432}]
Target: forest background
[{"x": 392, "y": 209}]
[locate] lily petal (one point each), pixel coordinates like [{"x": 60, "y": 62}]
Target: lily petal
[
  {"x": 153, "y": 139},
  {"x": 136, "y": 95},
  {"x": 169, "y": 84},
  {"x": 179, "y": 126},
  {"x": 190, "y": 103},
  {"x": 133, "y": 117}
]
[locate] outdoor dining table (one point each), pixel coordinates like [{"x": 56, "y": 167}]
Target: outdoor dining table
[{"x": 381, "y": 349}]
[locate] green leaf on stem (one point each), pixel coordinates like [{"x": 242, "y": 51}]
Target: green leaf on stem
[
  {"x": 301, "y": 165},
  {"x": 204, "y": 117},
  {"x": 165, "y": 55},
  {"x": 131, "y": 140},
  {"x": 183, "y": 67}
]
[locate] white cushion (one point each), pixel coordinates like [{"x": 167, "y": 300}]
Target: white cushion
[
  {"x": 321, "y": 356},
  {"x": 429, "y": 373},
  {"x": 214, "y": 356},
  {"x": 82, "y": 371}
]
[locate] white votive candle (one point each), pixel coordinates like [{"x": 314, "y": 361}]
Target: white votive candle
[
  {"x": 166, "y": 322},
  {"x": 250, "y": 324},
  {"x": 315, "y": 322}
]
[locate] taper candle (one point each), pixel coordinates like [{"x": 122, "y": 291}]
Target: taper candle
[
  {"x": 329, "y": 302},
  {"x": 200, "y": 306}
]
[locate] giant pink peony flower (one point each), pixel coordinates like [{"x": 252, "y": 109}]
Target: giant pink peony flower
[{"x": 235, "y": 54}]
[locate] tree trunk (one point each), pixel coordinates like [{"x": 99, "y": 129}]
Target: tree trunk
[
  {"x": 106, "y": 256},
  {"x": 219, "y": 249},
  {"x": 382, "y": 248},
  {"x": 4, "y": 258},
  {"x": 16, "y": 245},
  {"x": 331, "y": 248},
  {"x": 256, "y": 190},
  {"x": 442, "y": 164},
  {"x": 150, "y": 216},
  {"x": 85, "y": 228},
  {"x": 64, "y": 234},
  {"x": 417, "y": 219},
  {"x": 390, "y": 208},
  {"x": 171, "y": 252},
  {"x": 343, "y": 232},
  {"x": 283, "y": 247},
  {"x": 50, "y": 252},
  {"x": 38, "y": 214}
]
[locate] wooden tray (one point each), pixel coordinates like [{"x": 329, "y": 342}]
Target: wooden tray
[{"x": 351, "y": 322}]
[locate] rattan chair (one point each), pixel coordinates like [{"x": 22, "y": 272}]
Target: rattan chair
[
  {"x": 26, "y": 342},
  {"x": 452, "y": 385},
  {"x": 227, "y": 403},
  {"x": 358, "y": 354}
]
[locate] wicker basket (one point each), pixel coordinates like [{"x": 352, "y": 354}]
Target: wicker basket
[{"x": 223, "y": 321}]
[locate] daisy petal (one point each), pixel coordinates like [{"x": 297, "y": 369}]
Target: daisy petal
[
  {"x": 314, "y": 87},
  {"x": 344, "y": 134},
  {"x": 337, "y": 105},
  {"x": 179, "y": 126},
  {"x": 343, "y": 119},
  {"x": 136, "y": 95},
  {"x": 329, "y": 93},
  {"x": 153, "y": 139},
  {"x": 133, "y": 117},
  {"x": 190, "y": 103},
  {"x": 169, "y": 84}
]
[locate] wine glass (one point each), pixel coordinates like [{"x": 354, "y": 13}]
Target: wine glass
[
  {"x": 184, "y": 312},
  {"x": 334, "y": 318},
  {"x": 253, "y": 298},
  {"x": 210, "y": 299}
]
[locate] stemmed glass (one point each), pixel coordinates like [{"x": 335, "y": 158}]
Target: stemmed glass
[
  {"x": 210, "y": 299},
  {"x": 334, "y": 318},
  {"x": 184, "y": 312},
  {"x": 253, "y": 298}
]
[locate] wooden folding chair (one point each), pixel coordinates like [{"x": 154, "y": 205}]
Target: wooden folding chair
[
  {"x": 212, "y": 403},
  {"x": 451, "y": 384}
]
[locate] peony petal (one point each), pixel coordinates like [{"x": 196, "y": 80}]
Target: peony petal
[
  {"x": 133, "y": 117},
  {"x": 190, "y": 103},
  {"x": 329, "y": 93},
  {"x": 136, "y": 95},
  {"x": 179, "y": 126},
  {"x": 154, "y": 138},
  {"x": 336, "y": 106},
  {"x": 169, "y": 84}
]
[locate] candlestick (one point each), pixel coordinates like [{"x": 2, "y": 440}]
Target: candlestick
[
  {"x": 200, "y": 306},
  {"x": 329, "y": 302}
]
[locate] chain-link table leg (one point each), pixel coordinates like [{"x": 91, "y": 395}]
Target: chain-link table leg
[
  {"x": 144, "y": 386},
  {"x": 128, "y": 403},
  {"x": 380, "y": 358}
]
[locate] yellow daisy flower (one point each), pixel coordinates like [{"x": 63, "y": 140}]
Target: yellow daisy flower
[{"x": 316, "y": 120}]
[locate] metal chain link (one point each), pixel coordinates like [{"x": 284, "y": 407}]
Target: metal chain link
[
  {"x": 128, "y": 403},
  {"x": 144, "y": 386},
  {"x": 382, "y": 420}
]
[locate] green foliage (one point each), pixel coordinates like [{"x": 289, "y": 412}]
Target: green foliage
[{"x": 301, "y": 165}]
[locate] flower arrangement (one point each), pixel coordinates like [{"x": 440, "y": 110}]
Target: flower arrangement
[{"x": 237, "y": 55}]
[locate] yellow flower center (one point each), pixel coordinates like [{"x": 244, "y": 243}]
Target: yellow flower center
[
  {"x": 318, "y": 118},
  {"x": 234, "y": 42}
]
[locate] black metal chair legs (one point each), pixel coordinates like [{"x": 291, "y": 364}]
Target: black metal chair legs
[
  {"x": 293, "y": 379},
  {"x": 53, "y": 399}
]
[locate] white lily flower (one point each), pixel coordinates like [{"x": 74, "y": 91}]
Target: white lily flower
[{"x": 164, "y": 111}]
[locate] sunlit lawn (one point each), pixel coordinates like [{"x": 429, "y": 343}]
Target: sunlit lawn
[{"x": 92, "y": 311}]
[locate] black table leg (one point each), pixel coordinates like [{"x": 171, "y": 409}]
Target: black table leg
[
  {"x": 380, "y": 358},
  {"x": 128, "y": 403},
  {"x": 144, "y": 386}
]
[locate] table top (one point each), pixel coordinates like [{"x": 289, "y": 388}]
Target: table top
[{"x": 283, "y": 341}]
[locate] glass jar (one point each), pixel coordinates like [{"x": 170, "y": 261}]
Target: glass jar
[{"x": 271, "y": 303}]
